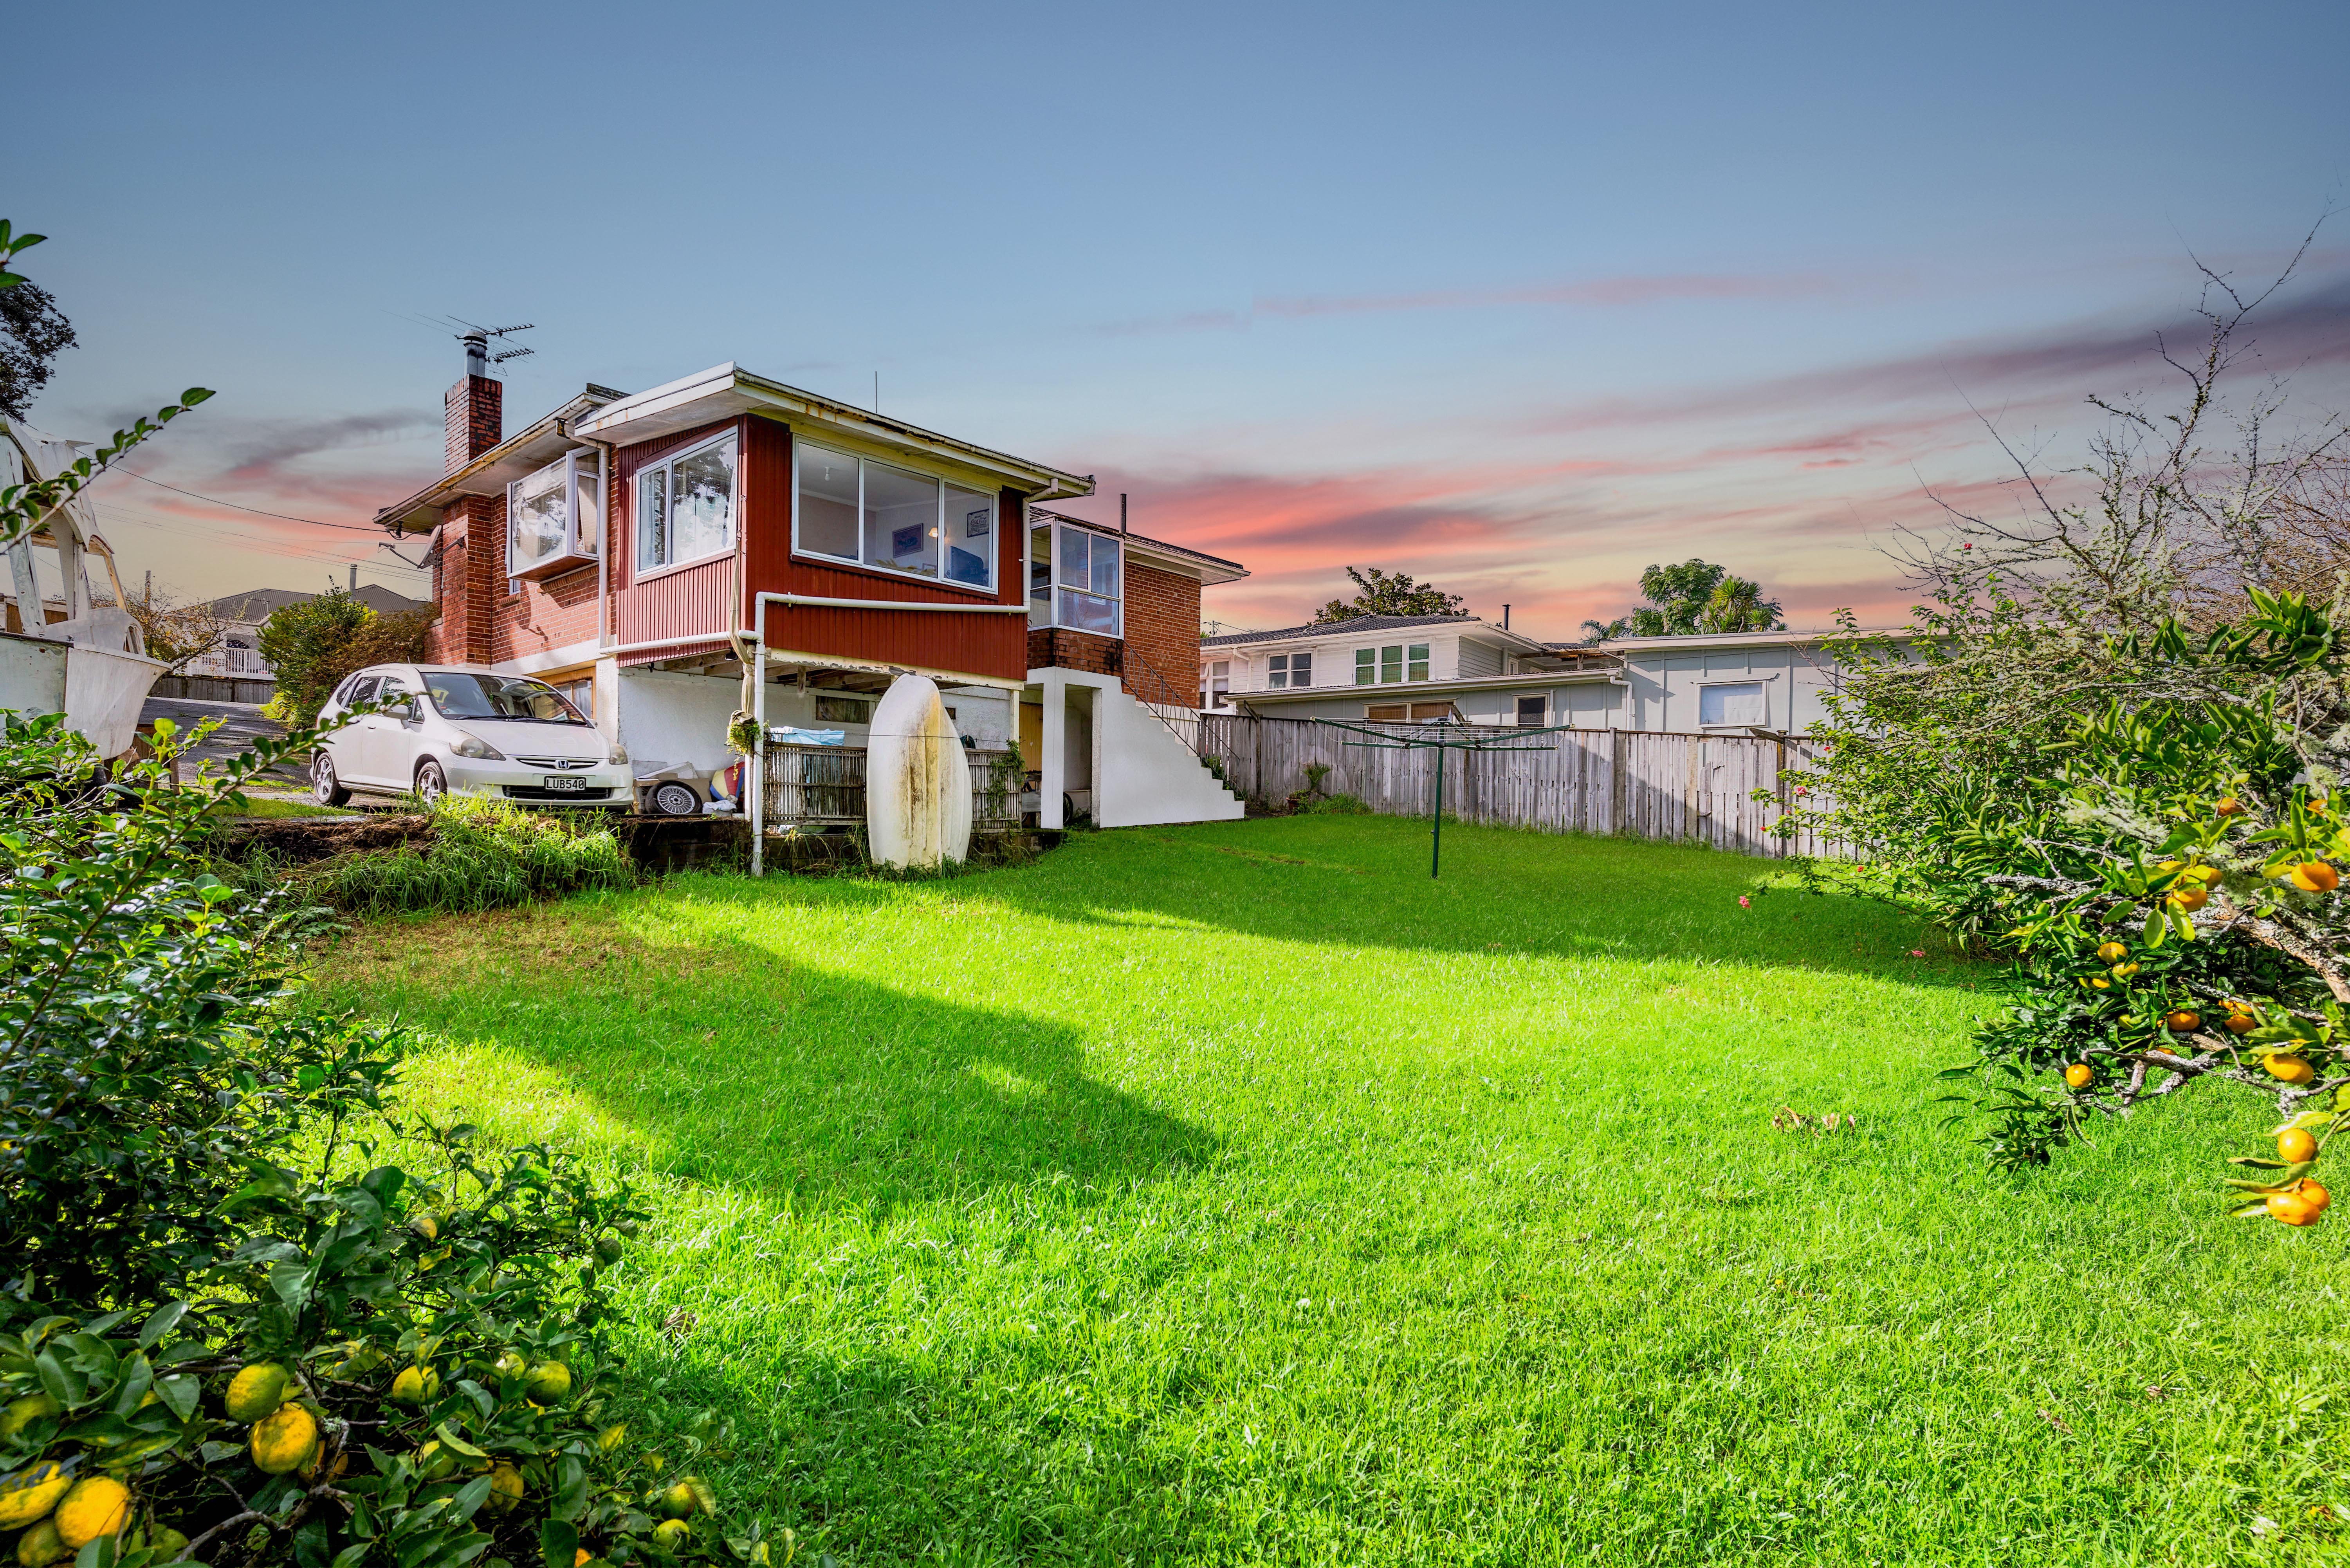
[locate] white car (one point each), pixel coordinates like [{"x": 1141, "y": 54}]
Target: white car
[{"x": 441, "y": 729}]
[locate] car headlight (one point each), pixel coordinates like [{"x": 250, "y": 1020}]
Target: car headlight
[
  {"x": 471, "y": 746},
  {"x": 620, "y": 754}
]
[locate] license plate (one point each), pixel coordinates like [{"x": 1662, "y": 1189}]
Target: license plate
[{"x": 565, "y": 784}]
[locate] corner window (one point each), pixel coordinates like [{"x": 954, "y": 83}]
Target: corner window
[
  {"x": 892, "y": 519},
  {"x": 1733, "y": 702},
  {"x": 554, "y": 518},
  {"x": 685, "y": 507},
  {"x": 1076, "y": 579},
  {"x": 1286, "y": 670}
]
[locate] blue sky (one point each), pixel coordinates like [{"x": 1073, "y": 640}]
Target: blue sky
[{"x": 1518, "y": 299}]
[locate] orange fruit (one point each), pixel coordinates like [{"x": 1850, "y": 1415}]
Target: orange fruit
[
  {"x": 2079, "y": 1075},
  {"x": 2242, "y": 1021},
  {"x": 2296, "y": 1145},
  {"x": 2210, "y": 875},
  {"x": 2228, "y": 806},
  {"x": 2111, "y": 952},
  {"x": 2285, "y": 1206},
  {"x": 2290, "y": 1069},
  {"x": 2182, "y": 1021},
  {"x": 2101, "y": 982},
  {"x": 2192, "y": 896},
  {"x": 2315, "y": 877},
  {"x": 2310, "y": 1193},
  {"x": 2124, "y": 970}
]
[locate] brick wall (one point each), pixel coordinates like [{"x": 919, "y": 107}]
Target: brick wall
[
  {"x": 1158, "y": 661},
  {"x": 1162, "y": 631},
  {"x": 1058, "y": 648},
  {"x": 473, "y": 420}
]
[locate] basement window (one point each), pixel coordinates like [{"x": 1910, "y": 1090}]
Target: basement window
[
  {"x": 892, "y": 519},
  {"x": 685, "y": 507},
  {"x": 554, "y": 517}
]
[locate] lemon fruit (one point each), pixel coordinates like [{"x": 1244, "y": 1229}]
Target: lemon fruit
[
  {"x": 256, "y": 1391},
  {"x": 98, "y": 1505},
  {"x": 168, "y": 1545},
  {"x": 30, "y": 1493},
  {"x": 40, "y": 1546},
  {"x": 549, "y": 1381},
  {"x": 2111, "y": 952},
  {"x": 22, "y": 1413},
  {"x": 669, "y": 1534},
  {"x": 505, "y": 1487},
  {"x": 284, "y": 1440},
  {"x": 414, "y": 1386}
]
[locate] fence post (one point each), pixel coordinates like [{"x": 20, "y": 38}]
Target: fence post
[{"x": 1615, "y": 780}]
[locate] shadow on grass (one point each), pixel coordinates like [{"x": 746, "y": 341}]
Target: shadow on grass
[{"x": 720, "y": 1062}]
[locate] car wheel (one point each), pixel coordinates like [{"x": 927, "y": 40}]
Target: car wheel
[
  {"x": 431, "y": 783},
  {"x": 675, "y": 799},
  {"x": 324, "y": 784}
]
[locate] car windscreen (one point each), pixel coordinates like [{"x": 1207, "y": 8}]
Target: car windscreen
[{"x": 459, "y": 695}]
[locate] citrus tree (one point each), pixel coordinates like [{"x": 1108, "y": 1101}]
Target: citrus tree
[
  {"x": 2162, "y": 868},
  {"x": 248, "y": 1309}
]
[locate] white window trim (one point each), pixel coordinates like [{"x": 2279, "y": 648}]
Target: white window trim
[
  {"x": 1762, "y": 681},
  {"x": 990, "y": 590},
  {"x": 1054, "y": 584},
  {"x": 638, "y": 573}
]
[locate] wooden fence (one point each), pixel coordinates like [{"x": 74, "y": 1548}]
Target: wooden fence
[{"x": 1672, "y": 786}]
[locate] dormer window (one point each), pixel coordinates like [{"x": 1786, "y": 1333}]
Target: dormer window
[
  {"x": 555, "y": 517},
  {"x": 875, "y": 515}
]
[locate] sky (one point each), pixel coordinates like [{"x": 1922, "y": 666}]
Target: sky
[{"x": 1516, "y": 298}]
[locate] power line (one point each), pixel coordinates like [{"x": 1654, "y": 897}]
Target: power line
[
  {"x": 239, "y": 505},
  {"x": 111, "y": 515}
]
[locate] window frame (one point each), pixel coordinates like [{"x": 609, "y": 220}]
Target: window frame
[
  {"x": 1762, "y": 686},
  {"x": 582, "y": 475},
  {"x": 990, "y": 590},
  {"x": 638, "y": 571},
  {"x": 1288, "y": 672},
  {"x": 1213, "y": 685},
  {"x": 1054, "y": 587},
  {"x": 1541, "y": 713}
]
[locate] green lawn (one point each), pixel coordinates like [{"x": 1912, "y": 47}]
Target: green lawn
[{"x": 1231, "y": 1194}]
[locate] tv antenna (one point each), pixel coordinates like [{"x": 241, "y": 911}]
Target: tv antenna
[{"x": 476, "y": 339}]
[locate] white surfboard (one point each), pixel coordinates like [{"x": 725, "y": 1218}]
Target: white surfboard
[{"x": 917, "y": 782}]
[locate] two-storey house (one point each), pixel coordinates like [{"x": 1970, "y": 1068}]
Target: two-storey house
[{"x": 644, "y": 552}]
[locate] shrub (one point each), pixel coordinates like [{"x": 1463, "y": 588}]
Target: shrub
[
  {"x": 1338, "y": 804},
  {"x": 482, "y": 854},
  {"x": 228, "y": 1322}
]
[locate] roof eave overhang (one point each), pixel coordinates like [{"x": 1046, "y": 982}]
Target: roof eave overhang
[
  {"x": 724, "y": 392},
  {"x": 516, "y": 457},
  {"x": 1423, "y": 687}
]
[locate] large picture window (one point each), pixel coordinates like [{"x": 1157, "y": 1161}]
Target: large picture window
[
  {"x": 685, "y": 507},
  {"x": 877, "y": 515},
  {"x": 1076, "y": 579}
]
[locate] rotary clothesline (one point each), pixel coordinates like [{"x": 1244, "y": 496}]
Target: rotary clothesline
[{"x": 1448, "y": 736}]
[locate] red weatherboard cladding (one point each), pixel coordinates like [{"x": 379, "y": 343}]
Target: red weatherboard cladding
[
  {"x": 983, "y": 644},
  {"x": 694, "y": 602}
]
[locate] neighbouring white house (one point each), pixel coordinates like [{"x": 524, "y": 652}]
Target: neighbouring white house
[
  {"x": 1424, "y": 669},
  {"x": 238, "y": 656}
]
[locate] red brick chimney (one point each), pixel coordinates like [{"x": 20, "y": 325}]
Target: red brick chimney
[
  {"x": 473, "y": 530},
  {"x": 473, "y": 414}
]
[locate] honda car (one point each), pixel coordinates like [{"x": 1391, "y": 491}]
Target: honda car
[{"x": 438, "y": 730}]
